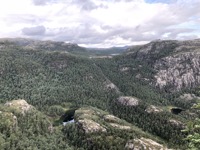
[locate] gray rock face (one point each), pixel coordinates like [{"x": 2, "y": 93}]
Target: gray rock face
[
  {"x": 112, "y": 86},
  {"x": 20, "y": 105},
  {"x": 153, "y": 109},
  {"x": 128, "y": 101},
  {"x": 124, "y": 69},
  {"x": 144, "y": 144},
  {"x": 178, "y": 71},
  {"x": 89, "y": 126},
  {"x": 156, "y": 48},
  {"x": 177, "y": 63},
  {"x": 176, "y": 123},
  {"x": 188, "y": 97}
]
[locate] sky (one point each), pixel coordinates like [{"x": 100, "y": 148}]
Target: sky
[{"x": 100, "y": 23}]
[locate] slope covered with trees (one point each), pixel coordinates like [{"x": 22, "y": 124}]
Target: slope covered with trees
[{"x": 57, "y": 79}]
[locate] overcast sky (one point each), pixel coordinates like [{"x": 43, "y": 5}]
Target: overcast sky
[{"x": 100, "y": 23}]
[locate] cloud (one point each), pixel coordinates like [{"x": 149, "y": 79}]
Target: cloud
[
  {"x": 23, "y": 18},
  {"x": 34, "y": 31},
  {"x": 101, "y": 22},
  {"x": 158, "y": 1},
  {"x": 88, "y": 5},
  {"x": 43, "y": 2},
  {"x": 39, "y": 2}
]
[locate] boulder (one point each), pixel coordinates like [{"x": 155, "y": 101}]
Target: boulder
[
  {"x": 153, "y": 109},
  {"x": 188, "y": 97},
  {"x": 144, "y": 144},
  {"x": 111, "y": 118},
  {"x": 90, "y": 126},
  {"x": 176, "y": 123},
  {"x": 122, "y": 127},
  {"x": 19, "y": 105},
  {"x": 128, "y": 101}
]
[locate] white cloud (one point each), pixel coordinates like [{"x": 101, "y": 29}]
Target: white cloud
[
  {"x": 34, "y": 31},
  {"x": 100, "y": 22}
]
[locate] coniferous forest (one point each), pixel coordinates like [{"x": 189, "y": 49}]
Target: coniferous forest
[{"x": 113, "y": 100}]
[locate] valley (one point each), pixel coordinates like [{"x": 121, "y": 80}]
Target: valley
[{"x": 141, "y": 98}]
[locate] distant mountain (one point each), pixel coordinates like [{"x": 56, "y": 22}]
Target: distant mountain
[
  {"x": 44, "y": 45},
  {"x": 63, "y": 46},
  {"x": 108, "y": 51}
]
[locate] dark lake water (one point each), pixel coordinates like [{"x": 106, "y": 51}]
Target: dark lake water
[{"x": 71, "y": 121}]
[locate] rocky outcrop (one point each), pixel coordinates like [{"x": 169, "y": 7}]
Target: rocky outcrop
[
  {"x": 144, "y": 144},
  {"x": 89, "y": 120},
  {"x": 19, "y": 105},
  {"x": 178, "y": 71},
  {"x": 153, "y": 109},
  {"x": 90, "y": 126},
  {"x": 122, "y": 127},
  {"x": 116, "y": 122},
  {"x": 92, "y": 120},
  {"x": 176, "y": 123},
  {"x": 112, "y": 86},
  {"x": 155, "y": 49},
  {"x": 128, "y": 101},
  {"x": 176, "y": 63},
  {"x": 111, "y": 118},
  {"x": 8, "y": 120},
  {"x": 188, "y": 97},
  {"x": 125, "y": 69}
]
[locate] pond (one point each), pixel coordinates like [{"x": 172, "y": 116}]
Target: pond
[
  {"x": 71, "y": 121},
  {"x": 68, "y": 117},
  {"x": 176, "y": 111}
]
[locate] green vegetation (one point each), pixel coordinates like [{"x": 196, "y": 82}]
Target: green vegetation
[
  {"x": 59, "y": 80},
  {"x": 29, "y": 130},
  {"x": 193, "y": 130},
  {"x": 114, "y": 137}
]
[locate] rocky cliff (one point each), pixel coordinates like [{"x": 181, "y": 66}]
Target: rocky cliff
[
  {"x": 176, "y": 63},
  {"x": 178, "y": 71}
]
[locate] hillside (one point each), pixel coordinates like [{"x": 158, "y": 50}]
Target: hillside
[
  {"x": 176, "y": 63},
  {"x": 42, "y": 45},
  {"x": 142, "y": 97}
]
